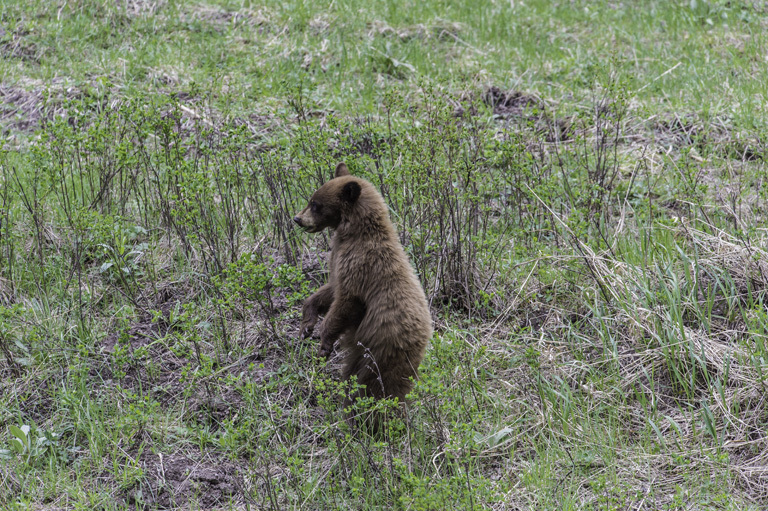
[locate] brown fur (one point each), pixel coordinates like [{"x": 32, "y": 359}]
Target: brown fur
[{"x": 372, "y": 300}]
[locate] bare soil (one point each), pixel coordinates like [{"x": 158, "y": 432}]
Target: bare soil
[
  {"x": 181, "y": 481},
  {"x": 690, "y": 130},
  {"x": 521, "y": 107}
]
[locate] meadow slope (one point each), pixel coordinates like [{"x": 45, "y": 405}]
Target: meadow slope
[{"x": 580, "y": 186}]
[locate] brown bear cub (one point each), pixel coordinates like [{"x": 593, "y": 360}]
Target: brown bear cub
[{"x": 372, "y": 300}]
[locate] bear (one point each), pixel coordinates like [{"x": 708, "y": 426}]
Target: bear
[{"x": 373, "y": 300}]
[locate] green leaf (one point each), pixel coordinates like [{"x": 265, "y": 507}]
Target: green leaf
[
  {"x": 499, "y": 437},
  {"x": 17, "y": 445},
  {"x": 21, "y": 433}
]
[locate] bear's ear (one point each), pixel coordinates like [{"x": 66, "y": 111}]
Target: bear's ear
[
  {"x": 342, "y": 170},
  {"x": 350, "y": 192}
]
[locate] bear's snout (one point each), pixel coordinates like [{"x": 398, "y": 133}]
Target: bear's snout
[{"x": 297, "y": 219}]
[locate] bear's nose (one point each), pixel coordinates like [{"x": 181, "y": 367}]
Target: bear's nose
[{"x": 297, "y": 219}]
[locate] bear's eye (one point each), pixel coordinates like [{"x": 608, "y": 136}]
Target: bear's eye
[{"x": 314, "y": 206}]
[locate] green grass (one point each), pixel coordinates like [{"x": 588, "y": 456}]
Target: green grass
[
  {"x": 347, "y": 55},
  {"x": 591, "y": 235}
]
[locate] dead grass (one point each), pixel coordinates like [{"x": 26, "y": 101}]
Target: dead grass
[
  {"x": 438, "y": 29},
  {"x": 221, "y": 18}
]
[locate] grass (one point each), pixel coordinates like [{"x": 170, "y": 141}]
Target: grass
[{"x": 580, "y": 187}]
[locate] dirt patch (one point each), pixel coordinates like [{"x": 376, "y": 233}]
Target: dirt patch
[
  {"x": 185, "y": 481},
  {"x": 320, "y": 24},
  {"x": 529, "y": 110},
  {"x": 707, "y": 137},
  {"x": 259, "y": 125},
  {"x": 167, "y": 76},
  {"x": 33, "y": 396},
  {"x": 20, "y": 110},
  {"x": 438, "y": 29},
  {"x": 361, "y": 140},
  {"x": 213, "y": 404},
  {"x": 141, "y": 7},
  {"x": 156, "y": 354},
  {"x": 139, "y": 334},
  {"x": 138, "y": 355},
  {"x": 511, "y": 103},
  {"x": 193, "y": 117},
  {"x": 682, "y": 131},
  {"x": 220, "y": 19},
  {"x": 15, "y": 45},
  {"x": 740, "y": 148},
  {"x": 138, "y": 358},
  {"x": 24, "y": 110}
]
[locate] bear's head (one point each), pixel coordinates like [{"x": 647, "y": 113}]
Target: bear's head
[{"x": 331, "y": 202}]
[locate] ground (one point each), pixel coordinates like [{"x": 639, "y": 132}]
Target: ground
[{"x": 580, "y": 186}]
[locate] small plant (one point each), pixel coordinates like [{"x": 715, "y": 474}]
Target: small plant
[
  {"x": 249, "y": 281},
  {"x": 123, "y": 256},
  {"x": 33, "y": 445},
  {"x": 138, "y": 413}
]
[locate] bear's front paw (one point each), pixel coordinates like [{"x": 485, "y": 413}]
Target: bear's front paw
[
  {"x": 307, "y": 326},
  {"x": 325, "y": 350}
]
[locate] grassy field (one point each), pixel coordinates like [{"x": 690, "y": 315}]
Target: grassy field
[{"x": 580, "y": 186}]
